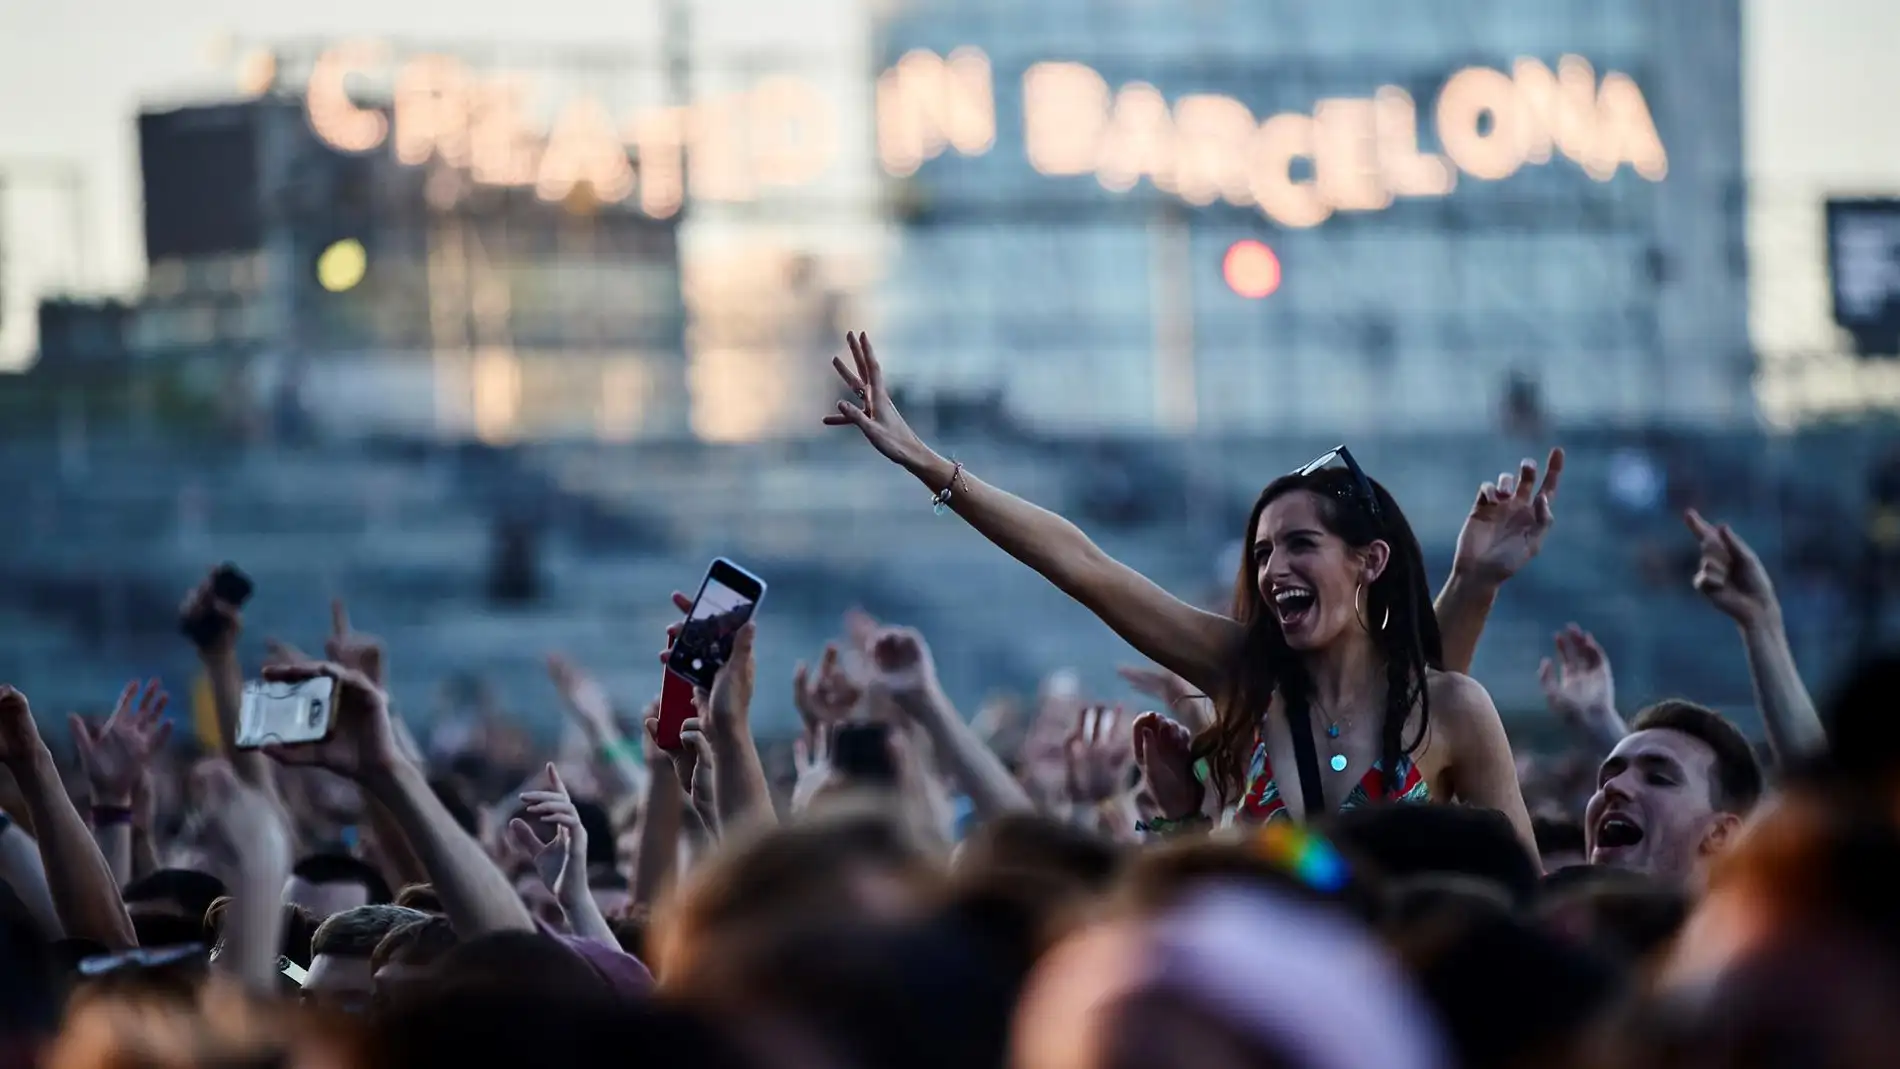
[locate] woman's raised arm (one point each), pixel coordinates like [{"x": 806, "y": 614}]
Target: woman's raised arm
[{"x": 1188, "y": 641}]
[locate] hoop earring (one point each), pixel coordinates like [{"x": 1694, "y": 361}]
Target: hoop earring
[{"x": 1357, "y": 591}]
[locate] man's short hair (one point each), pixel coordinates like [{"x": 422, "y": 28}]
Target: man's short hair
[
  {"x": 192, "y": 891},
  {"x": 355, "y": 933},
  {"x": 420, "y": 896},
  {"x": 1737, "y": 783},
  {"x": 421, "y": 943},
  {"x": 342, "y": 868}
]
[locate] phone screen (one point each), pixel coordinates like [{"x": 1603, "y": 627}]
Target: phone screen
[{"x": 726, "y": 601}]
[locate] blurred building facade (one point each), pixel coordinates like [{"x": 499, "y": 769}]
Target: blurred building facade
[
  {"x": 336, "y": 284},
  {"x": 1469, "y": 213}
]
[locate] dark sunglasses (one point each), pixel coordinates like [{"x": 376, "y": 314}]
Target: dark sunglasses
[
  {"x": 140, "y": 959},
  {"x": 1362, "y": 485}
]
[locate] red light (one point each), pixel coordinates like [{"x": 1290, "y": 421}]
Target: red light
[{"x": 1251, "y": 269}]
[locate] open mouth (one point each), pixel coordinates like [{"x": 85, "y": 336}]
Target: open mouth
[
  {"x": 1617, "y": 831},
  {"x": 1293, "y": 604}
]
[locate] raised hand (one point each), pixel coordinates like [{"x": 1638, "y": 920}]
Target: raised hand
[
  {"x": 829, "y": 695},
  {"x": 1508, "y": 522},
  {"x": 19, "y": 735},
  {"x": 585, "y": 699},
  {"x": 351, "y": 648},
  {"x": 901, "y": 665},
  {"x": 563, "y": 858},
  {"x": 201, "y": 600},
  {"x": 1730, "y": 575},
  {"x": 1100, "y": 753},
  {"x": 362, "y": 743},
  {"x": 727, "y": 710},
  {"x": 872, "y": 412},
  {"x": 1578, "y": 685},
  {"x": 116, "y": 754},
  {"x": 1164, "y": 750},
  {"x": 811, "y": 757}
]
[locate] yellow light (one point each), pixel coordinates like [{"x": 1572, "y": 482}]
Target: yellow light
[
  {"x": 1251, "y": 269},
  {"x": 342, "y": 266}
]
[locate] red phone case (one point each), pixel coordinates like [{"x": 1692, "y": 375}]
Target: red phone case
[{"x": 676, "y": 707}]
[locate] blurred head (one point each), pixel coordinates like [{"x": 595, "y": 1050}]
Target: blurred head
[
  {"x": 1805, "y": 870},
  {"x": 1625, "y": 915},
  {"x": 1402, "y": 841},
  {"x": 1323, "y": 563},
  {"x": 1672, "y": 792},
  {"x": 852, "y": 860},
  {"x": 183, "y": 893},
  {"x": 1560, "y": 843},
  {"x": 341, "y": 973},
  {"x": 328, "y": 884},
  {"x": 1190, "y": 988},
  {"x": 915, "y": 994},
  {"x": 404, "y": 961}
]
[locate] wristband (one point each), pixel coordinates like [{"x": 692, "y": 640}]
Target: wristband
[
  {"x": 105, "y": 816},
  {"x": 1171, "y": 825}
]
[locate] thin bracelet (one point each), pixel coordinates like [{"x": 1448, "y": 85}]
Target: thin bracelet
[
  {"x": 940, "y": 500},
  {"x": 105, "y": 816}
]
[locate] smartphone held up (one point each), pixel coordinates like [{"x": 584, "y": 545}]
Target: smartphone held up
[
  {"x": 286, "y": 714},
  {"x": 728, "y": 598}
]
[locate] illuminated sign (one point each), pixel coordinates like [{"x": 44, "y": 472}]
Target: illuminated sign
[
  {"x": 779, "y": 133},
  {"x": 1349, "y": 154}
]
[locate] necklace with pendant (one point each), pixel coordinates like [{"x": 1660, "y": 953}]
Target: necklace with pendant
[{"x": 1338, "y": 760}]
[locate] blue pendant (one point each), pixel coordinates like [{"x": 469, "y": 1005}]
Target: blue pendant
[
  {"x": 1339, "y": 762},
  {"x": 1332, "y": 731}
]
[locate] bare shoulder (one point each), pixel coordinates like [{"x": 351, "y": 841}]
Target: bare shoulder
[{"x": 1458, "y": 701}]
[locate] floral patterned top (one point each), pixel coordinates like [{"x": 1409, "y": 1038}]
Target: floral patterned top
[{"x": 1262, "y": 803}]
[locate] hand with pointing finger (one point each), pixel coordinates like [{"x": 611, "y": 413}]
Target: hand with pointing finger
[
  {"x": 1731, "y": 576},
  {"x": 1508, "y": 522},
  {"x": 561, "y": 862},
  {"x": 351, "y": 648}
]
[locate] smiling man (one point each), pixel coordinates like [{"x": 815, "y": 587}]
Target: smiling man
[{"x": 1672, "y": 792}]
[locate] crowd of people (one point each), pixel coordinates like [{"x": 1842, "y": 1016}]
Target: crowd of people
[{"x": 1316, "y": 850}]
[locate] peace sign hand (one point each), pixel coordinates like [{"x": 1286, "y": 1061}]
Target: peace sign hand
[
  {"x": 1508, "y": 522},
  {"x": 873, "y": 413}
]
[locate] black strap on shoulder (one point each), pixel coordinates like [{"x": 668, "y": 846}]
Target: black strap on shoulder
[{"x": 1306, "y": 766}]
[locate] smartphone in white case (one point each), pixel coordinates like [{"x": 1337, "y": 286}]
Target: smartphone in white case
[{"x": 285, "y": 714}]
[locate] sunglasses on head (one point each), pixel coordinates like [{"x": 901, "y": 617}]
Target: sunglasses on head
[{"x": 1362, "y": 486}]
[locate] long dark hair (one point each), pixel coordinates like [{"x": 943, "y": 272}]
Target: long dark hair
[{"x": 1408, "y": 641}]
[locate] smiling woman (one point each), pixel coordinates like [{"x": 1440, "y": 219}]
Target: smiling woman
[{"x": 1333, "y": 643}]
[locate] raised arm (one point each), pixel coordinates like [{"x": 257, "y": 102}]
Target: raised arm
[
  {"x": 217, "y": 651},
  {"x": 1186, "y": 640},
  {"x": 114, "y": 756},
  {"x": 476, "y": 896},
  {"x": 1735, "y": 581},
  {"x": 1505, "y": 529},
  {"x": 81, "y": 881},
  {"x": 904, "y": 670}
]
